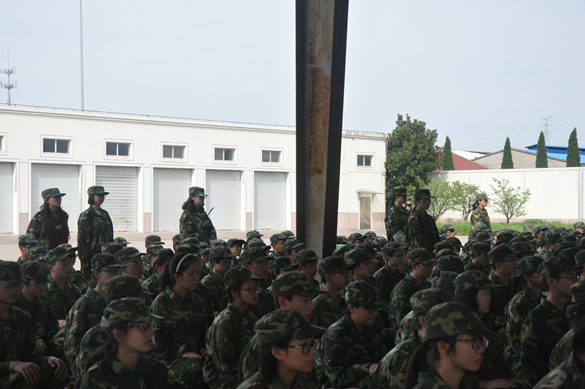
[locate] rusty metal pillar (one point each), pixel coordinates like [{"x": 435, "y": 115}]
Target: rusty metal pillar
[{"x": 321, "y": 37}]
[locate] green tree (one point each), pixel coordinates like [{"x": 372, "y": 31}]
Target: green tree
[
  {"x": 541, "y": 158},
  {"x": 412, "y": 155},
  {"x": 507, "y": 200},
  {"x": 507, "y": 162},
  {"x": 443, "y": 199},
  {"x": 447, "y": 156},
  {"x": 463, "y": 197},
  {"x": 573, "y": 158}
]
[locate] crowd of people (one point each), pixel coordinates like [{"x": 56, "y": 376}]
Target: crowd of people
[{"x": 415, "y": 308}]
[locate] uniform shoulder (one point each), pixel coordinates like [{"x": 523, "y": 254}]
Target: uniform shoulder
[
  {"x": 253, "y": 382},
  {"x": 21, "y": 315}
]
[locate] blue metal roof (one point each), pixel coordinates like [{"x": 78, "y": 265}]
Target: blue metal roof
[{"x": 559, "y": 152}]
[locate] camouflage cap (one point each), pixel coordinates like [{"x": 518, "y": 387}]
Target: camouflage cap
[
  {"x": 578, "y": 291},
  {"x": 420, "y": 255},
  {"x": 528, "y": 265},
  {"x": 276, "y": 237},
  {"x": 563, "y": 245},
  {"x": 233, "y": 242},
  {"x": 504, "y": 237},
  {"x": 472, "y": 279},
  {"x": 306, "y": 256},
  {"x": 127, "y": 253},
  {"x": 121, "y": 241},
  {"x": 57, "y": 254},
  {"x": 128, "y": 309},
  {"x": 380, "y": 241},
  {"x": 580, "y": 258},
  {"x": 448, "y": 319},
  {"x": 454, "y": 241},
  {"x": 370, "y": 235},
  {"x": 355, "y": 236},
  {"x": 294, "y": 283},
  {"x": 522, "y": 248},
  {"x": 341, "y": 239},
  {"x": 203, "y": 248},
  {"x": 572, "y": 234},
  {"x": 163, "y": 256},
  {"x": 291, "y": 244},
  {"x": 553, "y": 237},
  {"x": 579, "y": 225},
  {"x": 52, "y": 192},
  {"x": 481, "y": 196},
  {"x": 425, "y": 299},
  {"x": 554, "y": 266},
  {"x": 153, "y": 239},
  {"x": 527, "y": 227},
  {"x": 155, "y": 248},
  {"x": 480, "y": 226},
  {"x": 399, "y": 191},
  {"x": 392, "y": 247},
  {"x": 447, "y": 281},
  {"x": 188, "y": 248},
  {"x": 500, "y": 252},
  {"x": 23, "y": 240},
  {"x": 253, "y": 234},
  {"x": 443, "y": 252},
  {"x": 282, "y": 263},
  {"x": 342, "y": 250},
  {"x": 254, "y": 254},
  {"x": 37, "y": 253},
  {"x": 400, "y": 237},
  {"x": 104, "y": 260},
  {"x": 442, "y": 245},
  {"x": 570, "y": 253},
  {"x": 481, "y": 247},
  {"x": 331, "y": 264},
  {"x": 221, "y": 252},
  {"x": 111, "y": 248},
  {"x": 357, "y": 256},
  {"x": 197, "y": 191},
  {"x": 36, "y": 271},
  {"x": 289, "y": 234},
  {"x": 483, "y": 236},
  {"x": 364, "y": 294},
  {"x": 448, "y": 227},
  {"x": 96, "y": 190},
  {"x": 68, "y": 247},
  {"x": 218, "y": 242},
  {"x": 283, "y": 324},
  {"x": 10, "y": 274},
  {"x": 371, "y": 249},
  {"x": 422, "y": 193},
  {"x": 237, "y": 274},
  {"x": 449, "y": 263},
  {"x": 258, "y": 244},
  {"x": 191, "y": 240},
  {"x": 123, "y": 286},
  {"x": 539, "y": 229}
]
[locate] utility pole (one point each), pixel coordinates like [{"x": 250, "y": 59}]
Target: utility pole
[
  {"x": 8, "y": 72},
  {"x": 548, "y": 135}
]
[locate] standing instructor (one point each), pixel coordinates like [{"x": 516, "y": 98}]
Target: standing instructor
[{"x": 194, "y": 221}]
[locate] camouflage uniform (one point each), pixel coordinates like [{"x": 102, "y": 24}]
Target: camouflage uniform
[
  {"x": 265, "y": 302},
  {"x": 79, "y": 281},
  {"x": 562, "y": 349},
  {"x": 434, "y": 381},
  {"x": 61, "y": 300},
  {"x": 396, "y": 221},
  {"x": 422, "y": 230},
  {"x": 480, "y": 215},
  {"x": 386, "y": 277},
  {"x": 568, "y": 375},
  {"x": 151, "y": 286},
  {"x": 217, "y": 290}
]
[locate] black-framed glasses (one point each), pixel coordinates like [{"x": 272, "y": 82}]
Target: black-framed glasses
[
  {"x": 306, "y": 347},
  {"x": 427, "y": 265},
  {"x": 144, "y": 326},
  {"x": 113, "y": 271},
  {"x": 226, "y": 262},
  {"x": 572, "y": 278},
  {"x": 372, "y": 311},
  {"x": 345, "y": 273},
  {"x": 253, "y": 290},
  {"x": 476, "y": 343}
]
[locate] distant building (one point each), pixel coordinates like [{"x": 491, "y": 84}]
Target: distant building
[
  {"x": 523, "y": 159},
  {"x": 559, "y": 152},
  {"x": 462, "y": 163}
]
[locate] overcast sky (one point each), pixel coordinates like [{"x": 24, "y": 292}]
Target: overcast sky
[{"x": 474, "y": 71}]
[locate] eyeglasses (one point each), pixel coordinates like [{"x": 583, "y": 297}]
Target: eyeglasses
[
  {"x": 226, "y": 262},
  {"x": 372, "y": 311},
  {"x": 476, "y": 343},
  {"x": 111, "y": 271},
  {"x": 345, "y": 273},
  {"x": 307, "y": 347},
  {"x": 135, "y": 263},
  {"x": 399, "y": 255},
  {"x": 144, "y": 326},
  {"x": 253, "y": 290},
  {"x": 427, "y": 265},
  {"x": 572, "y": 278},
  {"x": 293, "y": 252}
]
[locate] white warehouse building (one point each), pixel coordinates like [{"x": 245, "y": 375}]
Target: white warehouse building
[{"x": 147, "y": 164}]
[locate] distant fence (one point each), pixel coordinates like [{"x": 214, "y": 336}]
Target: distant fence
[{"x": 556, "y": 193}]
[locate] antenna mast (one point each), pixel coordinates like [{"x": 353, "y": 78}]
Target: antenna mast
[{"x": 8, "y": 72}]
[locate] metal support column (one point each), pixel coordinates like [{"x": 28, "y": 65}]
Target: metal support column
[{"x": 321, "y": 37}]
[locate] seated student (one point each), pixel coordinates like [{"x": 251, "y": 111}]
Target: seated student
[
  {"x": 121, "y": 241},
  {"x": 147, "y": 267},
  {"x": 480, "y": 260},
  {"x": 287, "y": 351},
  {"x": 307, "y": 261},
  {"x": 130, "y": 329},
  {"x": 291, "y": 248},
  {"x": 281, "y": 265},
  {"x": 178, "y": 239},
  {"x": 77, "y": 277},
  {"x": 25, "y": 242},
  {"x": 335, "y": 273},
  {"x": 235, "y": 246},
  {"x": 277, "y": 241},
  {"x": 222, "y": 260},
  {"x": 60, "y": 292},
  {"x": 161, "y": 260},
  {"x": 37, "y": 253},
  {"x": 393, "y": 271},
  {"x": 129, "y": 257},
  {"x": 256, "y": 260},
  {"x": 21, "y": 365}
]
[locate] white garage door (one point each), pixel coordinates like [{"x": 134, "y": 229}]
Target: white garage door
[
  {"x": 122, "y": 202},
  {"x": 170, "y": 190},
  {"x": 6, "y": 198},
  {"x": 269, "y": 201},
  {"x": 64, "y": 177},
  {"x": 223, "y": 188}
]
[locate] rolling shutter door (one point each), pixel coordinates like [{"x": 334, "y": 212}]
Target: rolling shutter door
[
  {"x": 269, "y": 201},
  {"x": 223, "y": 188},
  {"x": 122, "y": 202},
  {"x": 170, "y": 190},
  {"x": 6, "y": 198},
  {"x": 64, "y": 177}
]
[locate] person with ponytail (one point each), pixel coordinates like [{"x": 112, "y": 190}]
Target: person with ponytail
[
  {"x": 397, "y": 216},
  {"x": 195, "y": 222},
  {"x": 479, "y": 213},
  {"x": 180, "y": 341},
  {"x": 49, "y": 225},
  {"x": 130, "y": 328}
]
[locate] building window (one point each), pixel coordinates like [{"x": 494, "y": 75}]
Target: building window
[
  {"x": 176, "y": 152},
  {"x": 60, "y": 146},
  {"x": 119, "y": 149},
  {"x": 364, "y": 160},
  {"x": 1, "y": 142},
  {"x": 222, "y": 154},
  {"x": 272, "y": 156}
]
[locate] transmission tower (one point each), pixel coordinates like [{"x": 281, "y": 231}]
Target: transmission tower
[
  {"x": 8, "y": 72},
  {"x": 548, "y": 134}
]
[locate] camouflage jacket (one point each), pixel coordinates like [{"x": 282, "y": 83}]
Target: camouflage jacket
[
  {"x": 501, "y": 296},
  {"x": 541, "y": 331},
  {"x": 85, "y": 313},
  {"x": 205, "y": 294},
  {"x": 434, "y": 381},
  {"x": 93, "y": 230},
  {"x": 568, "y": 375},
  {"x": 35, "y": 227},
  {"x": 91, "y": 344},
  {"x": 226, "y": 339},
  {"x": 562, "y": 350},
  {"x": 471, "y": 266},
  {"x": 347, "y": 353},
  {"x": 387, "y": 280},
  {"x": 391, "y": 372},
  {"x": 249, "y": 361},
  {"x": 197, "y": 225},
  {"x": 422, "y": 230},
  {"x": 216, "y": 289},
  {"x": 400, "y": 298},
  {"x": 479, "y": 215},
  {"x": 516, "y": 312},
  {"x": 43, "y": 319},
  {"x": 256, "y": 382},
  {"x": 405, "y": 328},
  {"x": 265, "y": 304},
  {"x": 150, "y": 285},
  {"x": 325, "y": 311},
  {"x": 61, "y": 300},
  {"x": 396, "y": 220},
  {"x": 78, "y": 280},
  {"x": 182, "y": 328},
  {"x": 111, "y": 373}
]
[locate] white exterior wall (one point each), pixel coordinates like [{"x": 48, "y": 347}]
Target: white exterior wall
[{"x": 23, "y": 130}]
